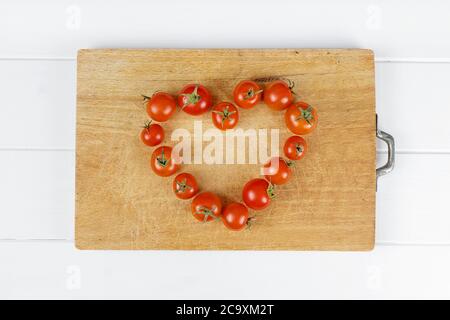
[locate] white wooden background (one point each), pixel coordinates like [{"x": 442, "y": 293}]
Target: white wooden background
[{"x": 38, "y": 45}]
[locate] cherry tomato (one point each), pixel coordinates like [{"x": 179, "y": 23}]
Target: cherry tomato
[
  {"x": 277, "y": 171},
  {"x": 160, "y": 106},
  {"x": 278, "y": 95},
  {"x": 225, "y": 116},
  {"x": 152, "y": 134},
  {"x": 162, "y": 162},
  {"x": 185, "y": 186},
  {"x": 301, "y": 118},
  {"x": 206, "y": 206},
  {"x": 194, "y": 99},
  {"x": 247, "y": 94},
  {"x": 257, "y": 194},
  {"x": 295, "y": 147},
  {"x": 235, "y": 216}
]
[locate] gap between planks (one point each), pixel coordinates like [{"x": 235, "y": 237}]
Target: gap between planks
[
  {"x": 377, "y": 244},
  {"x": 377, "y": 59}
]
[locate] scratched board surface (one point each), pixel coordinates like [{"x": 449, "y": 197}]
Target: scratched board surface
[{"x": 328, "y": 205}]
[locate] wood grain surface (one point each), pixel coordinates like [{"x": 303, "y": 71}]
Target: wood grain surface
[{"x": 121, "y": 204}]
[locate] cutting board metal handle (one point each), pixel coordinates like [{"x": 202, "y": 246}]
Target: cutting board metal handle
[{"x": 389, "y": 166}]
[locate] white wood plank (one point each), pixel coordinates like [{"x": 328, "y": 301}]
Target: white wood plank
[
  {"x": 412, "y": 206},
  {"x": 413, "y": 105},
  {"x": 37, "y": 194},
  {"x": 57, "y": 270},
  {"x": 392, "y": 28},
  {"x": 38, "y": 104},
  {"x": 412, "y": 201}
]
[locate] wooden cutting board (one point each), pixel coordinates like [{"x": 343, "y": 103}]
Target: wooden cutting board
[{"x": 121, "y": 204}]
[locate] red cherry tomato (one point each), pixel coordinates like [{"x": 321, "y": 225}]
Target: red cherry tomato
[
  {"x": 160, "y": 106},
  {"x": 295, "y": 147},
  {"x": 235, "y": 216},
  {"x": 206, "y": 206},
  {"x": 257, "y": 194},
  {"x": 152, "y": 134},
  {"x": 301, "y": 118},
  {"x": 194, "y": 99},
  {"x": 247, "y": 94},
  {"x": 185, "y": 186},
  {"x": 277, "y": 171},
  {"x": 278, "y": 95},
  {"x": 225, "y": 116},
  {"x": 162, "y": 162}
]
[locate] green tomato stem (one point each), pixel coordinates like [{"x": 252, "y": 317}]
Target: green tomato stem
[
  {"x": 162, "y": 161},
  {"x": 192, "y": 98}
]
